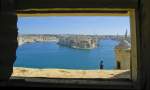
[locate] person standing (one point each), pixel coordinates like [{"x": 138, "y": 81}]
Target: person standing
[{"x": 101, "y": 64}]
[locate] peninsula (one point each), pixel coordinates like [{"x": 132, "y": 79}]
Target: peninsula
[{"x": 78, "y": 42}]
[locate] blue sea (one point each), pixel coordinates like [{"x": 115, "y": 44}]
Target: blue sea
[{"x": 52, "y": 55}]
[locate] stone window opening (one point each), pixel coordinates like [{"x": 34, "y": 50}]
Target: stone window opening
[{"x": 133, "y": 75}]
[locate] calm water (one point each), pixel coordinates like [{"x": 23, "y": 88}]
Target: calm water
[{"x": 51, "y": 55}]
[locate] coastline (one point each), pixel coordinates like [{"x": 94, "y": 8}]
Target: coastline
[
  {"x": 82, "y": 48},
  {"x": 69, "y": 73},
  {"x": 37, "y": 42}
]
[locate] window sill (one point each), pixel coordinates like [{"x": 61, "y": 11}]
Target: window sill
[{"x": 71, "y": 83}]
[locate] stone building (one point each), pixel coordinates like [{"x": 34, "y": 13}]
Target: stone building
[
  {"x": 122, "y": 51},
  {"x": 81, "y": 42},
  {"x": 22, "y": 39}
]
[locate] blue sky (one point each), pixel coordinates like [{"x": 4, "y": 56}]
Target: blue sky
[{"x": 97, "y": 25}]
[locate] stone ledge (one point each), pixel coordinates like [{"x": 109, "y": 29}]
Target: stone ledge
[{"x": 70, "y": 73}]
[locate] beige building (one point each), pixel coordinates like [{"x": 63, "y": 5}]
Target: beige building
[
  {"x": 35, "y": 38},
  {"x": 122, "y": 51},
  {"x": 81, "y": 42}
]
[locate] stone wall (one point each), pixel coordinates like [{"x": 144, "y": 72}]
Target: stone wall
[
  {"x": 8, "y": 38},
  {"x": 122, "y": 58}
]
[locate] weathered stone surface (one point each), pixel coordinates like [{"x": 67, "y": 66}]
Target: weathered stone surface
[{"x": 8, "y": 38}]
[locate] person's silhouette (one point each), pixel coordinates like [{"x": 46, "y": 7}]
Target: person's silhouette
[{"x": 101, "y": 65}]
